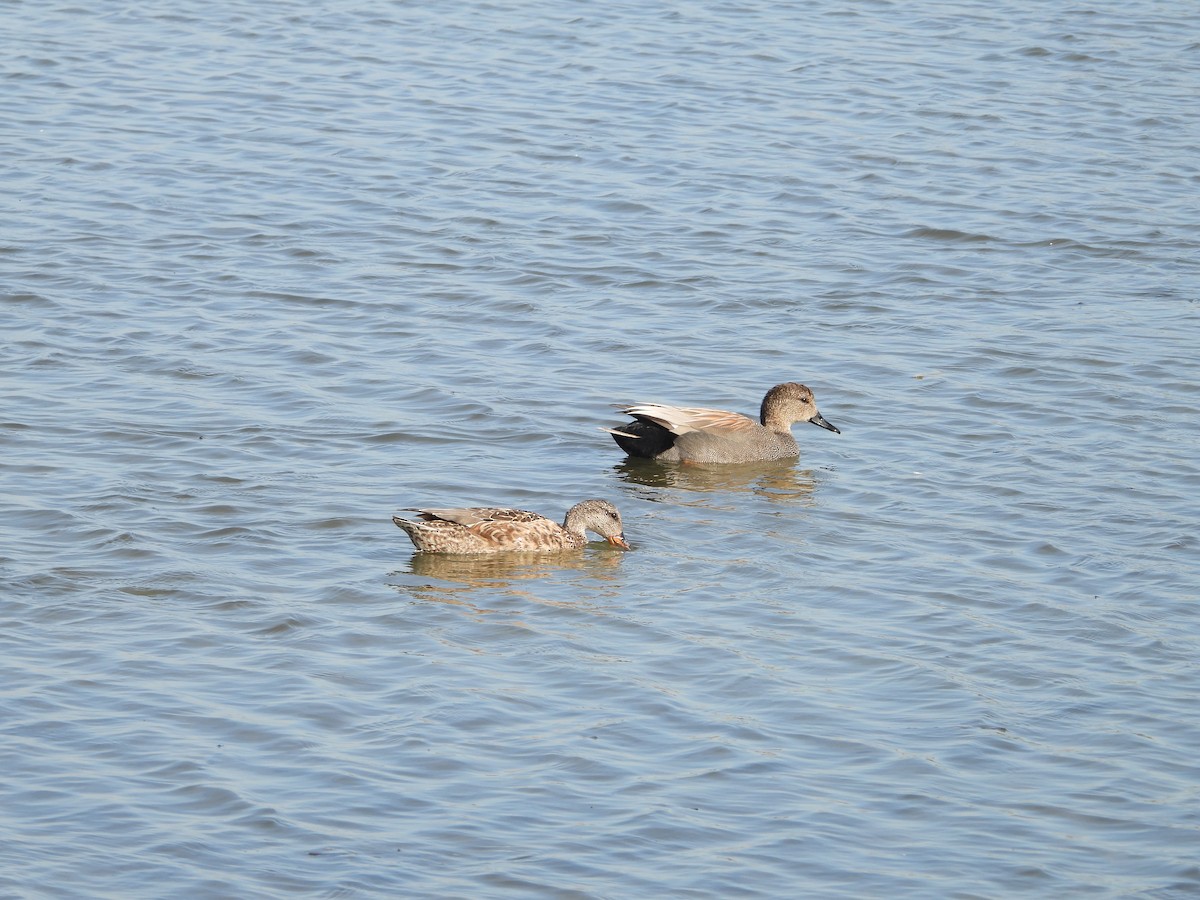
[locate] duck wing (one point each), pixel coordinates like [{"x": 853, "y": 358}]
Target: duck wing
[
  {"x": 471, "y": 516},
  {"x": 501, "y": 527},
  {"x": 684, "y": 419}
]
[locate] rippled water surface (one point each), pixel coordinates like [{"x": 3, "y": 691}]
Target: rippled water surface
[{"x": 272, "y": 272}]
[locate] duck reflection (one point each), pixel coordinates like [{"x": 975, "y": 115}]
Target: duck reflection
[
  {"x": 500, "y": 570},
  {"x": 777, "y": 479}
]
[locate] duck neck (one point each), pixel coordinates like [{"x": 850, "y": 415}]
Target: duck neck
[
  {"x": 576, "y": 534},
  {"x": 772, "y": 419}
]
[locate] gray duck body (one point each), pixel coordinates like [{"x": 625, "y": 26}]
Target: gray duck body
[{"x": 703, "y": 435}]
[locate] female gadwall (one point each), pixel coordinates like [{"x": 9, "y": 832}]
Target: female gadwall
[
  {"x": 488, "y": 530},
  {"x": 695, "y": 434}
]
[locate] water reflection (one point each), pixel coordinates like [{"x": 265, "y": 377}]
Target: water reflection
[
  {"x": 776, "y": 479},
  {"x": 475, "y": 582},
  {"x": 499, "y": 570}
]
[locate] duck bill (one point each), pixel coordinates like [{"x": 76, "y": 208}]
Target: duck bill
[
  {"x": 618, "y": 540},
  {"x": 819, "y": 419}
]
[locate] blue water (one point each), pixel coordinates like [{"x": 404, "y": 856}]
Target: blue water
[{"x": 271, "y": 273}]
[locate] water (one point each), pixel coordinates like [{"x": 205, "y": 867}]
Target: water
[{"x": 272, "y": 272}]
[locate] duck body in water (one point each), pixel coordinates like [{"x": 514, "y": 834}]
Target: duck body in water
[
  {"x": 702, "y": 435},
  {"x": 487, "y": 529}
]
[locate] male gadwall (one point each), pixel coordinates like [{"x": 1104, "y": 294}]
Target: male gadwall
[
  {"x": 488, "y": 530},
  {"x": 695, "y": 434}
]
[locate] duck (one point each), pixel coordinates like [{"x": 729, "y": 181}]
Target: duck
[
  {"x": 486, "y": 529},
  {"x": 692, "y": 434}
]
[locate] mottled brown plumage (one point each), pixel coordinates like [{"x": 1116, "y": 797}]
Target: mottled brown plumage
[
  {"x": 492, "y": 530},
  {"x": 698, "y": 434}
]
